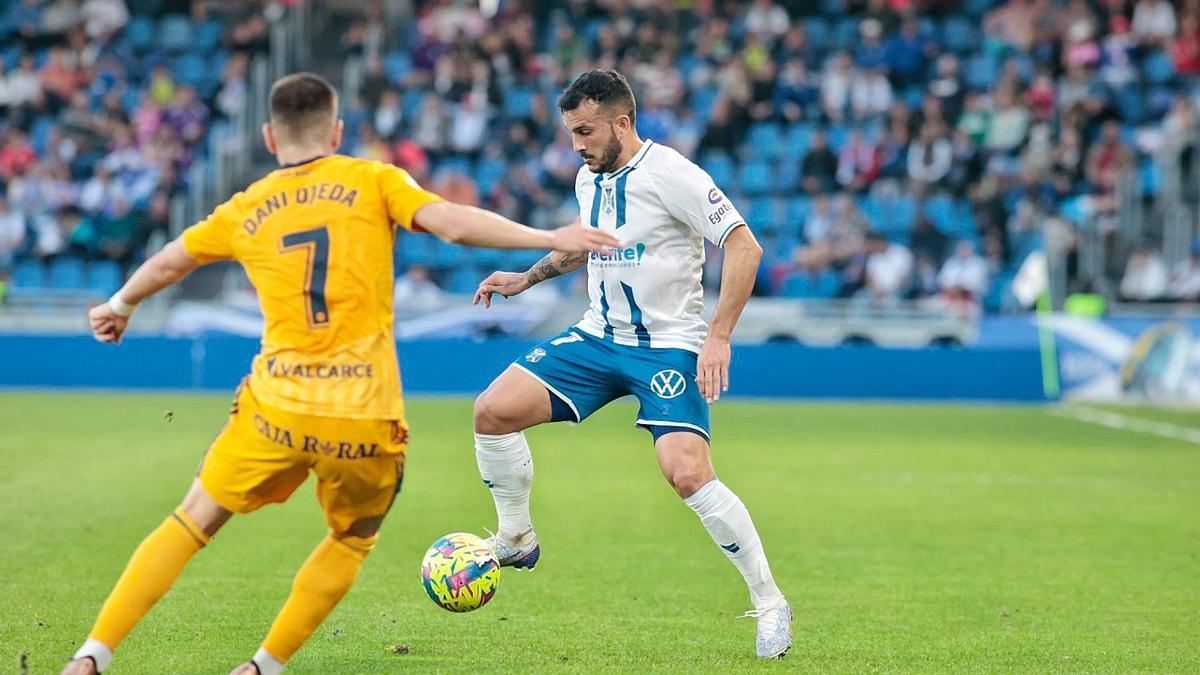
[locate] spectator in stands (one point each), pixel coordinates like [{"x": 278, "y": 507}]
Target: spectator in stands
[
  {"x": 965, "y": 274},
  {"x": 429, "y": 130},
  {"x": 1106, "y": 162},
  {"x": 22, "y": 85},
  {"x": 1186, "y": 49},
  {"x": 102, "y": 18},
  {"x": 1117, "y": 68},
  {"x": 927, "y": 241},
  {"x": 723, "y": 130},
  {"x": 1146, "y": 277},
  {"x": 947, "y": 87},
  {"x": 929, "y": 159},
  {"x": 388, "y": 114},
  {"x": 888, "y": 272},
  {"x": 818, "y": 170},
  {"x": 17, "y": 154},
  {"x": 976, "y": 121},
  {"x": 1014, "y": 22},
  {"x": 766, "y": 19},
  {"x": 1154, "y": 22},
  {"x": 796, "y": 92},
  {"x": 835, "y": 86},
  {"x": 858, "y": 163},
  {"x": 116, "y": 227},
  {"x": 870, "y": 54},
  {"x": 12, "y": 235},
  {"x": 870, "y": 94},
  {"x": 416, "y": 292},
  {"x": 907, "y": 53},
  {"x": 1009, "y": 123},
  {"x": 1185, "y": 278}
]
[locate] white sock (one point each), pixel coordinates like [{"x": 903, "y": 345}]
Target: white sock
[
  {"x": 100, "y": 653},
  {"x": 728, "y": 523},
  {"x": 507, "y": 469},
  {"x": 267, "y": 664}
]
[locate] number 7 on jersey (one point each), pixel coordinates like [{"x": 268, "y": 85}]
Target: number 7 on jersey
[{"x": 315, "y": 244}]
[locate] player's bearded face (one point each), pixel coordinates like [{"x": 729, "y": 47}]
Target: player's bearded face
[{"x": 608, "y": 158}]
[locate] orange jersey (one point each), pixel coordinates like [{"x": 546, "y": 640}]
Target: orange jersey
[{"x": 316, "y": 240}]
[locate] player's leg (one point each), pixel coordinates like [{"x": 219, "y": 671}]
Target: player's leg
[
  {"x": 358, "y": 479},
  {"x": 512, "y": 403},
  {"x": 562, "y": 379},
  {"x": 686, "y": 464},
  {"x": 150, "y": 572},
  {"x": 672, "y": 409}
]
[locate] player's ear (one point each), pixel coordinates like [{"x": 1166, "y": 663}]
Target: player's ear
[
  {"x": 338, "y": 130},
  {"x": 269, "y": 138}
]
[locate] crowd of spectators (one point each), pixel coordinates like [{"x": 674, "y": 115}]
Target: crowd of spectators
[
  {"x": 104, "y": 106},
  {"x": 881, "y": 149},
  {"x": 889, "y": 149}
]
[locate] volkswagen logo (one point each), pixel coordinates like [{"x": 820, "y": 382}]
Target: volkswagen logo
[{"x": 668, "y": 383}]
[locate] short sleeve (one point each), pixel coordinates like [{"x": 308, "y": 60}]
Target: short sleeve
[
  {"x": 691, "y": 197},
  {"x": 402, "y": 195},
  {"x": 212, "y": 238}
]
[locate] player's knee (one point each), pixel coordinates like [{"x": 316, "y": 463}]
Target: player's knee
[
  {"x": 686, "y": 479},
  {"x": 493, "y": 416},
  {"x": 361, "y": 545}
]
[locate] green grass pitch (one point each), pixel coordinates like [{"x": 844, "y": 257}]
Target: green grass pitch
[{"x": 908, "y": 538}]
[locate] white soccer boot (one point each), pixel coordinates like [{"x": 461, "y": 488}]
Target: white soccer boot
[
  {"x": 522, "y": 554},
  {"x": 774, "y": 637}
]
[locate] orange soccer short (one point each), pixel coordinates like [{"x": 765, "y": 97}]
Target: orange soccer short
[{"x": 263, "y": 454}]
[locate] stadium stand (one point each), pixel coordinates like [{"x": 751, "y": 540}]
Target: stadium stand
[{"x": 1012, "y": 126}]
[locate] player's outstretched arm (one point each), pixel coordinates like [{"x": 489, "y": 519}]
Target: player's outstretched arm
[
  {"x": 508, "y": 284},
  {"x": 738, "y": 272},
  {"x": 471, "y": 226},
  {"x": 164, "y": 268}
]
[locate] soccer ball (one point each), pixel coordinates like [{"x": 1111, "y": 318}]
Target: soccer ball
[{"x": 460, "y": 572}]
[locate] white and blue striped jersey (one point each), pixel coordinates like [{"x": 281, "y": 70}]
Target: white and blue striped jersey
[{"x": 662, "y": 207}]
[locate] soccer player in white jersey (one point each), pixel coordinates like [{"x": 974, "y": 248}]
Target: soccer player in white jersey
[{"x": 644, "y": 335}]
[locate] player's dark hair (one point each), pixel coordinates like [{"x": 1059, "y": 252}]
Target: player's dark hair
[
  {"x": 302, "y": 103},
  {"x": 608, "y": 88}
]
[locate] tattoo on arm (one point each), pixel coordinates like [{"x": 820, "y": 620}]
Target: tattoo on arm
[{"x": 554, "y": 264}]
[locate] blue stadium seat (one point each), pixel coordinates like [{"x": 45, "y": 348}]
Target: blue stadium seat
[
  {"x": 1131, "y": 105},
  {"x": 190, "y": 69},
  {"x": 1158, "y": 68},
  {"x": 104, "y": 276},
  {"x": 799, "y": 285},
  {"x": 837, "y": 136},
  {"x": 941, "y": 211},
  {"x": 206, "y": 36},
  {"x": 413, "y": 99},
  {"x": 797, "y": 140},
  {"x": 175, "y": 33},
  {"x": 449, "y": 256},
  {"x": 756, "y": 178},
  {"x": 67, "y": 273},
  {"x": 828, "y": 284},
  {"x": 981, "y": 71},
  {"x": 761, "y": 215},
  {"x": 492, "y": 259},
  {"x": 795, "y": 213},
  {"x": 140, "y": 33},
  {"x": 397, "y": 65},
  {"x": 489, "y": 172},
  {"x": 845, "y": 34},
  {"x": 518, "y": 101},
  {"x": 29, "y": 274},
  {"x": 765, "y": 140},
  {"x": 818, "y": 33},
  {"x": 719, "y": 166},
  {"x": 958, "y": 34},
  {"x": 702, "y": 102}
]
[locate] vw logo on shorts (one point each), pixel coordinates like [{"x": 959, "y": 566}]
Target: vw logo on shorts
[
  {"x": 668, "y": 383},
  {"x": 536, "y": 355}
]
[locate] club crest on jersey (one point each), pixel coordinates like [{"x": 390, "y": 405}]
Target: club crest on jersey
[
  {"x": 715, "y": 196},
  {"x": 668, "y": 384},
  {"x": 608, "y": 202},
  {"x": 536, "y": 355}
]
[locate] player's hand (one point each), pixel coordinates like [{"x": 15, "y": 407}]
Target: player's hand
[
  {"x": 712, "y": 367},
  {"x": 577, "y": 237},
  {"x": 107, "y": 325},
  {"x": 507, "y": 284}
]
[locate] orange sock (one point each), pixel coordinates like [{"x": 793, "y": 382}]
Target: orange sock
[
  {"x": 321, "y": 582},
  {"x": 153, "y": 568}
]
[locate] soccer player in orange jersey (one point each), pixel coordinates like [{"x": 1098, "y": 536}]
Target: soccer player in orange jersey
[{"x": 315, "y": 237}]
